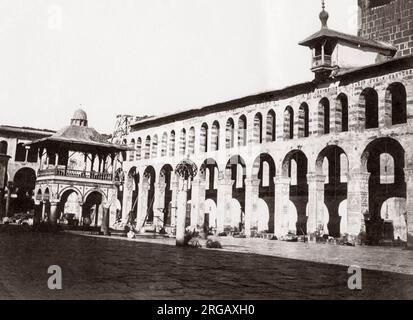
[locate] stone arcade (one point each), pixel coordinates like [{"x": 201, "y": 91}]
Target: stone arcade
[{"x": 333, "y": 155}]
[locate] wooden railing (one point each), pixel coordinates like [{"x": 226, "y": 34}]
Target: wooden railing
[
  {"x": 63, "y": 172},
  {"x": 319, "y": 61}
]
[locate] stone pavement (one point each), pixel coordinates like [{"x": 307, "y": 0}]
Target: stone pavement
[
  {"x": 391, "y": 259},
  {"x": 102, "y": 268}
]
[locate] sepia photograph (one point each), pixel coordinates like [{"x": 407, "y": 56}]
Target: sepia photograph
[{"x": 219, "y": 151}]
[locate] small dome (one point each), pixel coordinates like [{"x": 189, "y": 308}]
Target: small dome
[
  {"x": 79, "y": 118},
  {"x": 324, "y": 18},
  {"x": 79, "y": 115}
]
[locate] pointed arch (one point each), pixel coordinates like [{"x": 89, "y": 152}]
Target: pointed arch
[
  {"x": 182, "y": 143},
  {"x": 191, "y": 141},
  {"x": 215, "y": 136},
  {"x": 242, "y": 131},
  {"x": 303, "y": 121},
  {"x": 230, "y": 134},
  {"x": 369, "y": 102},
  {"x": 172, "y": 144},
  {"x": 258, "y": 128},
  {"x": 271, "y": 126},
  {"x": 203, "y": 145},
  {"x": 288, "y": 123}
]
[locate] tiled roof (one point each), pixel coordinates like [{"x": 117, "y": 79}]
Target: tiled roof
[{"x": 355, "y": 40}]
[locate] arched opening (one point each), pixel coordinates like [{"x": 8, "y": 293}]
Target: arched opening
[
  {"x": 329, "y": 162},
  {"x": 236, "y": 171},
  {"x": 209, "y": 173},
  {"x": 155, "y": 146},
  {"x": 191, "y": 141},
  {"x": 132, "y": 150},
  {"x": 3, "y": 147},
  {"x": 203, "y": 145},
  {"x": 210, "y": 218},
  {"x": 172, "y": 144},
  {"x": 148, "y": 147},
  {"x": 234, "y": 217},
  {"x": 69, "y": 207},
  {"x": 271, "y": 126},
  {"x": 260, "y": 217},
  {"x": 369, "y": 101},
  {"x": 230, "y": 134},
  {"x": 24, "y": 183},
  {"x": 288, "y": 123},
  {"x": 149, "y": 177},
  {"x": 182, "y": 143},
  {"x": 303, "y": 121},
  {"x": 242, "y": 131},
  {"x": 139, "y": 149},
  {"x": 258, "y": 128},
  {"x": 133, "y": 186},
  {"x": 20, "y": 153},
  {"x": 393, "y": 214},
  {"x": 342, "y": 113},
  {"x": 215, "y": 136},
  {"x": 384, "y": 188},
  {"x": 92, "y": 209},
  {"x": 165, "y": 177},
  {"x": 396, "y": 99},
  {"x": 264, "y": 170},
  {"x": 324, "y": 115},
  {"x": 164, "y": 145},
  {"x": 295, "y": 166}
]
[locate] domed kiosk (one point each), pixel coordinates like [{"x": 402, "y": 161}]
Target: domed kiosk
[{"x": 76, "y": 180}]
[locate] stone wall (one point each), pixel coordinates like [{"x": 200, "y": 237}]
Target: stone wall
[{"x": 390, "y": 21}]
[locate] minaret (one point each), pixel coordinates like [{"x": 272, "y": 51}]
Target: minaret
[{"x": 322, "y": 45}]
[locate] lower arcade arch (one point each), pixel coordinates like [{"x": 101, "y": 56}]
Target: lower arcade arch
[
  {"x": 332, "y": 162},
  {"x": 384, "y": 160},
  {"x": 295, "y": 166}
]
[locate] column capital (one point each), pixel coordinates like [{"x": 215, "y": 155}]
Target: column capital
[
  {"x": 225, "y": 182},
  {"x": 282, "y": 180},
  {"x": 145, "y": 186},
  {"x": 359, "y": 176},
  {"x": 315, "y": 178},
  {"x": 161, "y": 185},
  {"x": 252, "y": 182},
  {"x": 408, "y": 174},
  {"x": 197, "y": 182}
]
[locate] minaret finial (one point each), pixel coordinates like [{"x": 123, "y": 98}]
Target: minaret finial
[{"x": 323, "y": 15}]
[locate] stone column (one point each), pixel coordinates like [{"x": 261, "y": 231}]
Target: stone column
[
  {"x": 282, "y": 197},
  {"x": 251, "y": 197},
  {"x": 409, "y": 206},
  {"x": 127, "y": 199},
  {"x": 8, "y": 199},
  {"x": 53, "y": 213},
  {"x": 143, "y": 204},
  {"x": 44, "y": 210},
  {"x": 182, "y": 197},
  {"x": 37, "y": 213},
  {"x": 174, "y": 188},
  {"x": 198, "y": 201},
  {"x": 105, "y": 220},
  {"x": 223, "y": 198},
  {"x": 159, "y": 205},
  {"x": 357, "y": 202},
  {"x": 315, "y": 202}
]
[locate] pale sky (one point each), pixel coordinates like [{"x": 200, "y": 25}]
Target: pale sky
[{"x": 150, "y": 57}]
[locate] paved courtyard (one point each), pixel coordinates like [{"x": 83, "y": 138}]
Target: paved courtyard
[{"x": 99, "y": 268}]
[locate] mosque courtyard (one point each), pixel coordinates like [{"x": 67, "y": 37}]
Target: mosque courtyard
[{"x": 110, "y": 268}]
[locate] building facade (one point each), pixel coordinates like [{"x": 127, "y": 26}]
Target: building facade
[
  {"x": 333, "y": 155},
  {"x": 22, "y": 167}
]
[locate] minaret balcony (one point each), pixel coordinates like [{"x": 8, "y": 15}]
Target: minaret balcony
[
  {"x": 62, "y": 172},
  {"x": 322, "y": 62}
]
